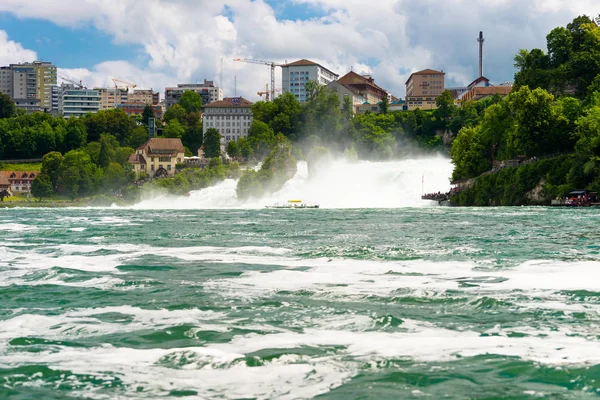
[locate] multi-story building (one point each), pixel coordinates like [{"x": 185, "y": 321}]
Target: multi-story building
[
  {"x": 343, "y": 91},
  {"x": 76, "y": 102},
  {"x": 365, "y": 85},
  {"x": 423, "y": 88},
  {"x": 231, "y": 116},
  {"x": 296, "y": 75},
  {"x": 158, "y": 157},
  {"x": 27, "y": 82},
  {"x": 207, "y": 90},
  {"x": 138, "y": 109},
  {"x": 110, "y": 98}
]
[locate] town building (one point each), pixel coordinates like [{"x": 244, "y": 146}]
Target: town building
[
  {"x": 343, "y": 92},
  {"x": 110, "y": 97},
  {"x": 158, "y": 157},
  {"x": 138, "y": 109},
  {"x": 231, "y": 116},
  {"x": 74, "y": 101},
  {"x": 29, "y": 85},
  {"x": 423, "y": 88},
  {"x": 481, "y": 88},
  {"x": 17, "y": 182},
  {"x": 365, "y": 85},
  {"x": 207, "y": 90},
  {"x": 297, "y": 74}
]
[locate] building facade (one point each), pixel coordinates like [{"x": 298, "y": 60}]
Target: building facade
[
  {"x": 25, "y": 83},
  {"x": 76, "y": 102},
  {"x": 365, "y": 85},
  {"x": 158, "y": 157},
  {"x": 423, "y": 88},
  {"x": 138, "y": 109},
  {"x": 231, "y": 116},
  {"x": 17, "y": 182},
  {"x": 207, "y": 90},
  {"x": 296, "y": 75},
  {"x": 343, "y": 92}
]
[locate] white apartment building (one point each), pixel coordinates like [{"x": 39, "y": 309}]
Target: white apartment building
[
  {"x": 207, "y": 90},
  {"x": 296, "y": 75},
  {"x": 76, "y": 102},
  {"x": 231, "y": 116}
]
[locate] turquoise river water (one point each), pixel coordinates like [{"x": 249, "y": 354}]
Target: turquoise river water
[{"x": 498, "y": 303}]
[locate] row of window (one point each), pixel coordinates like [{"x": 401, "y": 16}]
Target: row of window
[
  {"x": 226, "y": 117},
  {"x": 225, "y": 124},
  {"x": 227, "y": 110}
]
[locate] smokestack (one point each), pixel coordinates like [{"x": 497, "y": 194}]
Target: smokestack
[{"x": 481, "y": 40}]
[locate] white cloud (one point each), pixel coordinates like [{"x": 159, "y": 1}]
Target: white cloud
[
  {"x": 186, "y": 39},
  {"x": 12, "y": 52}
]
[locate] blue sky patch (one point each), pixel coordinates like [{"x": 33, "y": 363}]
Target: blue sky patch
[
  {"x": 67, "y": 47},
  {"x": 290, "y": 10}
]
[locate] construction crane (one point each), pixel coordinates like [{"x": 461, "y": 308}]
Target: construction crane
[
  {"x": 73, "y": 82},
  {"x": 271, "y": 64},
  {"x": 267, "y": 92},
  {"x": 126, "y": 84}
]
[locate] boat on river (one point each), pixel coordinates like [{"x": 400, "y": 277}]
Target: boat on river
[{"x": 293, "y": 204}]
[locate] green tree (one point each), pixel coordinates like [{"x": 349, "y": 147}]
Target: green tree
[
  {"x": 51, "y": 165},
  {"x": 190, "y": 101},
  {"x": 445, "y": 105},
  {"x": 261, "y": 138},
  {"x": 115, "y": 176},
  {"x": 245, "y": 148},
  {"x": 233, "y": 149},
  {"x": 42, "y": 186},
  {"x": 175, "y": 112},
  {"x": 147, "y": 114},
  {"x": 174, "y": 129},
  {"x": 76, "y": 135},
  {"x": 138, "y": 137},
  {"x": 212, "y": 143},
  {"x": 384, "y": 105},
  {"x": 7, "y": 106}
]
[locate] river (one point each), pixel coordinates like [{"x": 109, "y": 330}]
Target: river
[{"x": 388, "y": 300}]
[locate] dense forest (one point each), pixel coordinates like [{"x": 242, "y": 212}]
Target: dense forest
[{"x": 550, "y": 123}]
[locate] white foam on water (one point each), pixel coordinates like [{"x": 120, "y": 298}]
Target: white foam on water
[
  {"x": 87, "y": 322},
  {"x": 208, "y": 371},
  {"x": 14, "y": 227},
  {"x": 339, "y": 184}
]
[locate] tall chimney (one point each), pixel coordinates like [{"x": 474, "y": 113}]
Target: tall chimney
[{"x": 480, "y": 40}]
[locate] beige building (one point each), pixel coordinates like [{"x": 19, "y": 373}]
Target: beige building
[
  {"x": 231, "y": 116},
  {"x": 423, "y": 87},
  {"x": 29, "y": 85},
  {"x": 158, "y": 157},
  {"x": 111, "y": 97},
  {"x": 344, "y": 91}
]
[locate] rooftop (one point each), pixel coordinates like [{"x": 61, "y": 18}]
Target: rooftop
[
  {"x": 306, "y": 63},
  {"x": 426, "y": 72},
  {"x": 230, "y": 102},
  {"x": 164, "y": 144}
]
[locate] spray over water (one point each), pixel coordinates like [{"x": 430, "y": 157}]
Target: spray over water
[{"x": 339, "y": 184}]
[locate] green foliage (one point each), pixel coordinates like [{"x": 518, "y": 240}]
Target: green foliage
[
  {"x": 233, "y": 149},
  {"x": 174, "y": 129},
  {"x": 42, "y": 186},
  {"x": 190, "y": 101},
  {"x": 261, "y": 138},
  {"x": 175, "y": 112},
  {"x": 277, "y": 168},
  {"x": 138, "y": 137},
  {"x": 76, "y": 134},
  {"x": 147, "y": 114},
  {"x": 212, "y": 143},
  {"x": 51, "y": 166},
  {"x": 384, "y": 105},
  {"x": 7, "y": 106}
]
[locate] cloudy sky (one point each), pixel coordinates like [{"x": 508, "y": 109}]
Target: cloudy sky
[{"x": 158, "y": 43}]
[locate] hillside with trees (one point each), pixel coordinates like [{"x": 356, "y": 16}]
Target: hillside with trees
[{"x": 550, "y": 123}]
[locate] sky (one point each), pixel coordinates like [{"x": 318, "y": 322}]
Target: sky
[{"x": 160, "y": 43}]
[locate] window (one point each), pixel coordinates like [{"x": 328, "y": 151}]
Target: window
[
  {"x": 168, "y": 167},
  {"x": 152, "y": 167},
  {"x": 164, "y": 159}
]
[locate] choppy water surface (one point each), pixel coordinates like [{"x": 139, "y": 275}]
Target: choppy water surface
[{"x": 339, "y": 304}]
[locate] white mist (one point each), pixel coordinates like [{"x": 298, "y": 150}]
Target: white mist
[{"x": 339, "y": 184}]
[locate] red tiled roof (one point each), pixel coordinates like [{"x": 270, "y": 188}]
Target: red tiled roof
[
  {"x": 230, "y": 102},
  {"x": 352, "y": 78},
  {"x": 172, "y": 144},
  {"x": 20, "y": 175}
]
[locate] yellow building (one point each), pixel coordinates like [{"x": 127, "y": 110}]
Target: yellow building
[
  {"x": 157, "y": 157},
  {"x": 45, "y": 74}
]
